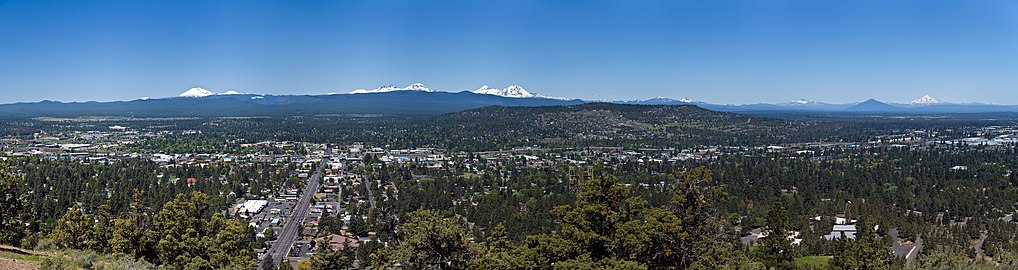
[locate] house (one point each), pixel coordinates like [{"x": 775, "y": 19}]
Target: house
[
  {"x": 840, "y": 230},
  {"x": 308, "y": 234},
  {"x": 340, "y": 242}
]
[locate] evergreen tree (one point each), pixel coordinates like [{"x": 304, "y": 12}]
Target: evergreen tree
[
  {"x": 267, "y": 264},
  {"x": 192, "y": 235},
  {"x": 327, "y": 259},
  {"x": 73, "y": 229},
  {"x": 12, "y": 206},
  {"x": 129, "y": 232},
  {"x": 867, "y": 251},
  {"x": 101, "y": 233},
  {"x": 429, "y": 241},
  {"x": 777, "y": 247}
]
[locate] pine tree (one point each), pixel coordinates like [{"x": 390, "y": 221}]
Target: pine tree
[
  {"x": 327, "y": 259},
  {"x": 101, "y": 233},
  {"x": 12, "y": 206},
  {"x": 777, "y": 247},
  {"x": 867, "y": 251},
  {"x": 72, "y": 230},
  {"x": 129, "y": 231},
  {"x": 429, "y": 241}
]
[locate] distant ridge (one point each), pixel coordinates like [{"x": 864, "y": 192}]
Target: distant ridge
[
  {"x": 218, "y": 105},
  {"x": 873, "y": 105},
  {"x": 418, "y": 99}
]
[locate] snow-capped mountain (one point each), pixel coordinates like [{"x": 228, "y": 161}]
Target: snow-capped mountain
[
  {"x": 390, "y": 88},
  {"x": 925, "y": 100},
  {"x": 197, "y": 92},
  {"x": 685, "y": 100},
  {"x": 801, "y": 101},
  {"x": 513, "y": 91}
]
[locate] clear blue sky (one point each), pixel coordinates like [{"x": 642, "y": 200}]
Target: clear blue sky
[{"x": 716, "y": 51}]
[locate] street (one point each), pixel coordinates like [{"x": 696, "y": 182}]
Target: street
[{"x": 281, "y": 247}]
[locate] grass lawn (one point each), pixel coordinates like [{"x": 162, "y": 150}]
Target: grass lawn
[{"x": 813, "y": 261}]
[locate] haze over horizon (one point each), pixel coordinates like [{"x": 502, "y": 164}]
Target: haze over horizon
[{"x": 738, "y": 52}]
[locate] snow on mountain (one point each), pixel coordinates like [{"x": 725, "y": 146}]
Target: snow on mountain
[
  {"x": 390, "y": 88},
  {"x": 800, "y": 101},
  {"x": 925, "y": 100},
  {"x": 513, "y": 91},
  {"x": 487, "y": 90},
  {"x": 197, "y": 92},
  {"x": 686, "y": 100},
  {"x": 551, "y": 97}
]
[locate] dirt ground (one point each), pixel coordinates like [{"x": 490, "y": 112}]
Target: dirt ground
[
  {"x": 17, "y": 259},
  {"x": 15, "y": 264}
]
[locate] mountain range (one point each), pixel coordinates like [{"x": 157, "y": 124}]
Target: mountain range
[{"x": 418, "y": 99}]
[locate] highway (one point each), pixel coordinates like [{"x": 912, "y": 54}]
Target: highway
[{"x": 279, "y": 250}]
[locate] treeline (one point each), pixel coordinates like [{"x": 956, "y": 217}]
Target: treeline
[
  {"x": 609, "y": 227},
  {"x": 912, "y": 192},
  {"x": 495, "y": 128},
  {"x": 50, "y": 187}
]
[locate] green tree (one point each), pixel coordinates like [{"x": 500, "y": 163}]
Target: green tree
[
  {"x": 12, "y": 206},
  {"x": 101, "y": 233},
  {"x": 867, "y": 251},
  {"x": 609, "y": 227},
  {"x": 72, "y": 230},
  {"x": 329, "y": 223},
  {"x": 232, "y": 245},
  {"x": 191, "y": 235},
  {"x": 501, "y": 253},
  {"x": 777, "y": 249},
  {"x": 429, "y": 241},
  {"x": 702, "y": 240},
  {"x": 129, "y": 231},
  {"x": 499, "y": 241},
  {"x": 268, "y": 264},
  {"x": 358, "y": 226},
  {"x": 327, "y": 259},
  {"x": 270, "y": 234},
  {"x": 284, "y": 265}
]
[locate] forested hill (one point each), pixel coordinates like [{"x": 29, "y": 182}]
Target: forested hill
[
  {"x": 496, "y": 128},
  {"x": 387, "y": 103},
  {"x": 607, "y": 124}
]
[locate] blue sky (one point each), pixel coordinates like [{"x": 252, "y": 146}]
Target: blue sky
[{"x": 716, "y": 51}]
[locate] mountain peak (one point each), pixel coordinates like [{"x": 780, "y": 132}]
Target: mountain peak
[
  {"x": 418, "y": 87},
  {"x": 513, "y": 91},
  {"x": 801, "y": 101},
  {"x": 390, "y": 88},
  {"x": 925, "y": 100},
  {"x": 873, "y": 105},
  {"x": 197, "y": 92}
]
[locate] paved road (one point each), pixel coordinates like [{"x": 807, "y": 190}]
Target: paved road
[
  {"x": 918, "y": 248},
  {"x": 279, "y": 250},
  {"x": 371, "y": 196}
]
